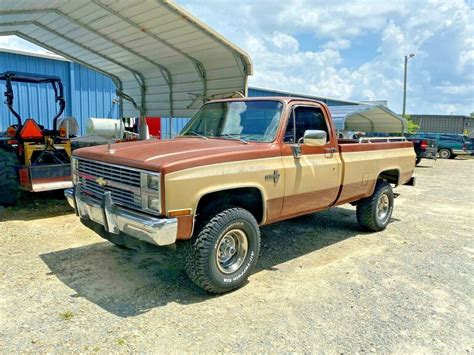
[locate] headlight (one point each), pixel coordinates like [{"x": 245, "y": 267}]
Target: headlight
[
  {"x": 153, "y": 182},
  {"x": 151, "y": 192},
  {"x": 154, "y": 203}
]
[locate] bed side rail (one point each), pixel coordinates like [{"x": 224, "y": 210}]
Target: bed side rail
[{"x": 382, "y": 139}]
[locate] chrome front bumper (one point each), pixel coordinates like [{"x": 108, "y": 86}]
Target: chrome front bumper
[{"x": 115, "y": 219}]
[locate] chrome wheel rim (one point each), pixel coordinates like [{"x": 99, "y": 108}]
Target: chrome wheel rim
[
  {"x": 443, "y": 154},
  {"x": 232, "y": 250},
  {"x": 383, "y": 207}
]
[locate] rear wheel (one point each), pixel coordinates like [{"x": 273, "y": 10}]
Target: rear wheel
[
  {"x": 222, "y": 255},
  {"x": 9, "y": 188},
  {"x": 374, "y": 212},
  {"x": 444, "y": 153}
]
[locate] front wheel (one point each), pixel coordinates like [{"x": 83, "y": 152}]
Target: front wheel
[
  {"x": 374, "y": 212},
  {"x": 222, "y": 255}
]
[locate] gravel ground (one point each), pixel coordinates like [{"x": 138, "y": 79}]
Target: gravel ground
[{"x": 321, "y": 285}]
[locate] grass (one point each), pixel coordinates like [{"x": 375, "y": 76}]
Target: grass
[{"x": 68, "y": 315}]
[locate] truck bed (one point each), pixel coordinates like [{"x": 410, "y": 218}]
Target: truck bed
[{"x": 364, "y": 160}]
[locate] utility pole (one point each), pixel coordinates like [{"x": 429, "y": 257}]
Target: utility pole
[{"x": 405, "y": 83}]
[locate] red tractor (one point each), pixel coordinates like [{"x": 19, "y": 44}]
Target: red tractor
[{"x": 34, "y": 158}]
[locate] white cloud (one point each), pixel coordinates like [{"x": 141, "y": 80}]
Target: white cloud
[
  {"x": 285, "y": 42},
  {"x": 338, "y": 44},
  {"x": 466, "y": 61},
  {"x": 440, "y": 32}
]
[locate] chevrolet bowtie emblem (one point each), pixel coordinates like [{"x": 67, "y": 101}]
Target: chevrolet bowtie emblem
[
  {"x": 275, "y": 176},
  {"x": 101, "y": 181}
]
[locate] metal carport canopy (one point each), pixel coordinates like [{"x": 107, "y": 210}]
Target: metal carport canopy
[
  {"x": 367, "y": 118},
  {"x": 164, "y": 58}
]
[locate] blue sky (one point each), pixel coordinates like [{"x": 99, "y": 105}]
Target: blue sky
[{"x": 351, "y": 49}]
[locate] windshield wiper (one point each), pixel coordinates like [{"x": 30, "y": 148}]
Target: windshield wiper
[
  {"x": 195, "y": 134},
  {"x": 234, "y": 136}
]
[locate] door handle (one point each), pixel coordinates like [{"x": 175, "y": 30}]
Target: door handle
[{"x": 330, "y": 150}]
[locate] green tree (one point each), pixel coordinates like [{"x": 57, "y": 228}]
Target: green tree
[{"x": 412, "y": 126}]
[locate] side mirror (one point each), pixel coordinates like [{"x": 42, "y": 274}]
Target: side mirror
[{"x": 315, "y": 138}]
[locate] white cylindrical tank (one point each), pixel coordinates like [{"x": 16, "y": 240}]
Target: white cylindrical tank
[{"x": 105, "y": 127}]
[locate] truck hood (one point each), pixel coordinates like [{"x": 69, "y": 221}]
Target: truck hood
[{"x": 177, "y": 154}]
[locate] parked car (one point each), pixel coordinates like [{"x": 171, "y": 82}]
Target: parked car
[
  {"x": 425, "y": 148},
  {"x": 449, "y": 145},
  {"x": 238, "y": 164},
  {"x": 471, "y": 144}
]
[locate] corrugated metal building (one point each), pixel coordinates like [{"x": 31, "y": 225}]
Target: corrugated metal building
[
  {"x": 87, "y": 93},
  {"x": 445, "y": 123}
]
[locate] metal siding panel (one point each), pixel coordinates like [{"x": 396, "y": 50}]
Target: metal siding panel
[
  {"x": 178, "y": 125},
  {"x": 87, "y": 94},
  {"x": 440, "y": 123}
]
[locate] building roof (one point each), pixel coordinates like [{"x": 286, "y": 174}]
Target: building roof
[
  {"x": 275, "y": 92},
  {"x": 448, "y": 117},
  {"x": 157, "y": 53}
]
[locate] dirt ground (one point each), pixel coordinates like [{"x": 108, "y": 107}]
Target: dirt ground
[{"x": 321, "y": 285}]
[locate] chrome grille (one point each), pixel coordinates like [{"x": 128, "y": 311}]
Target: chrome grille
[
  {"x": 122, "y": 175},
  {"x": 110, "y": 172}
]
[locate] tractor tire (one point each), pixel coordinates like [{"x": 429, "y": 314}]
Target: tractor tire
[
  {"x": 9, "y": 187},
  {"x": 223, "y": 253},
  {"x": 374, "y": 212},
  {"x": 444, "y": 153}
]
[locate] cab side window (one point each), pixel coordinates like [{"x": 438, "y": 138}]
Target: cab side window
[{"x": 303, "y": 119}]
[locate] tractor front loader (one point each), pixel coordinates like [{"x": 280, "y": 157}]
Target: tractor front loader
[{"x": 33, "y": 158}]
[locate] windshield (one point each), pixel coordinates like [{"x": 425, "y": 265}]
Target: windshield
[{"x": 245, "y": 120}]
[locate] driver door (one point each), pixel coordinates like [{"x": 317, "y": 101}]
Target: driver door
[{"x": 311, "y": 182}]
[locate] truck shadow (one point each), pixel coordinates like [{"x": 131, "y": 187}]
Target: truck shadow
[
  {"x": 32, "y": 206},
  {"x": 128, "y": 283}
]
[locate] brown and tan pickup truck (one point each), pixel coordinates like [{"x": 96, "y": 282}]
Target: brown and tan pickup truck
[{"x": 237, "y": 165}]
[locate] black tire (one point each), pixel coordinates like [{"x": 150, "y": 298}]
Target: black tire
[
  {"x": 418, "y": 160},
  {"x": 368, "y": 208},
  {"x": 444, "y": 153},
  {"x": 9, "y": 188},
  {"x": 203, "y": 264}
]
